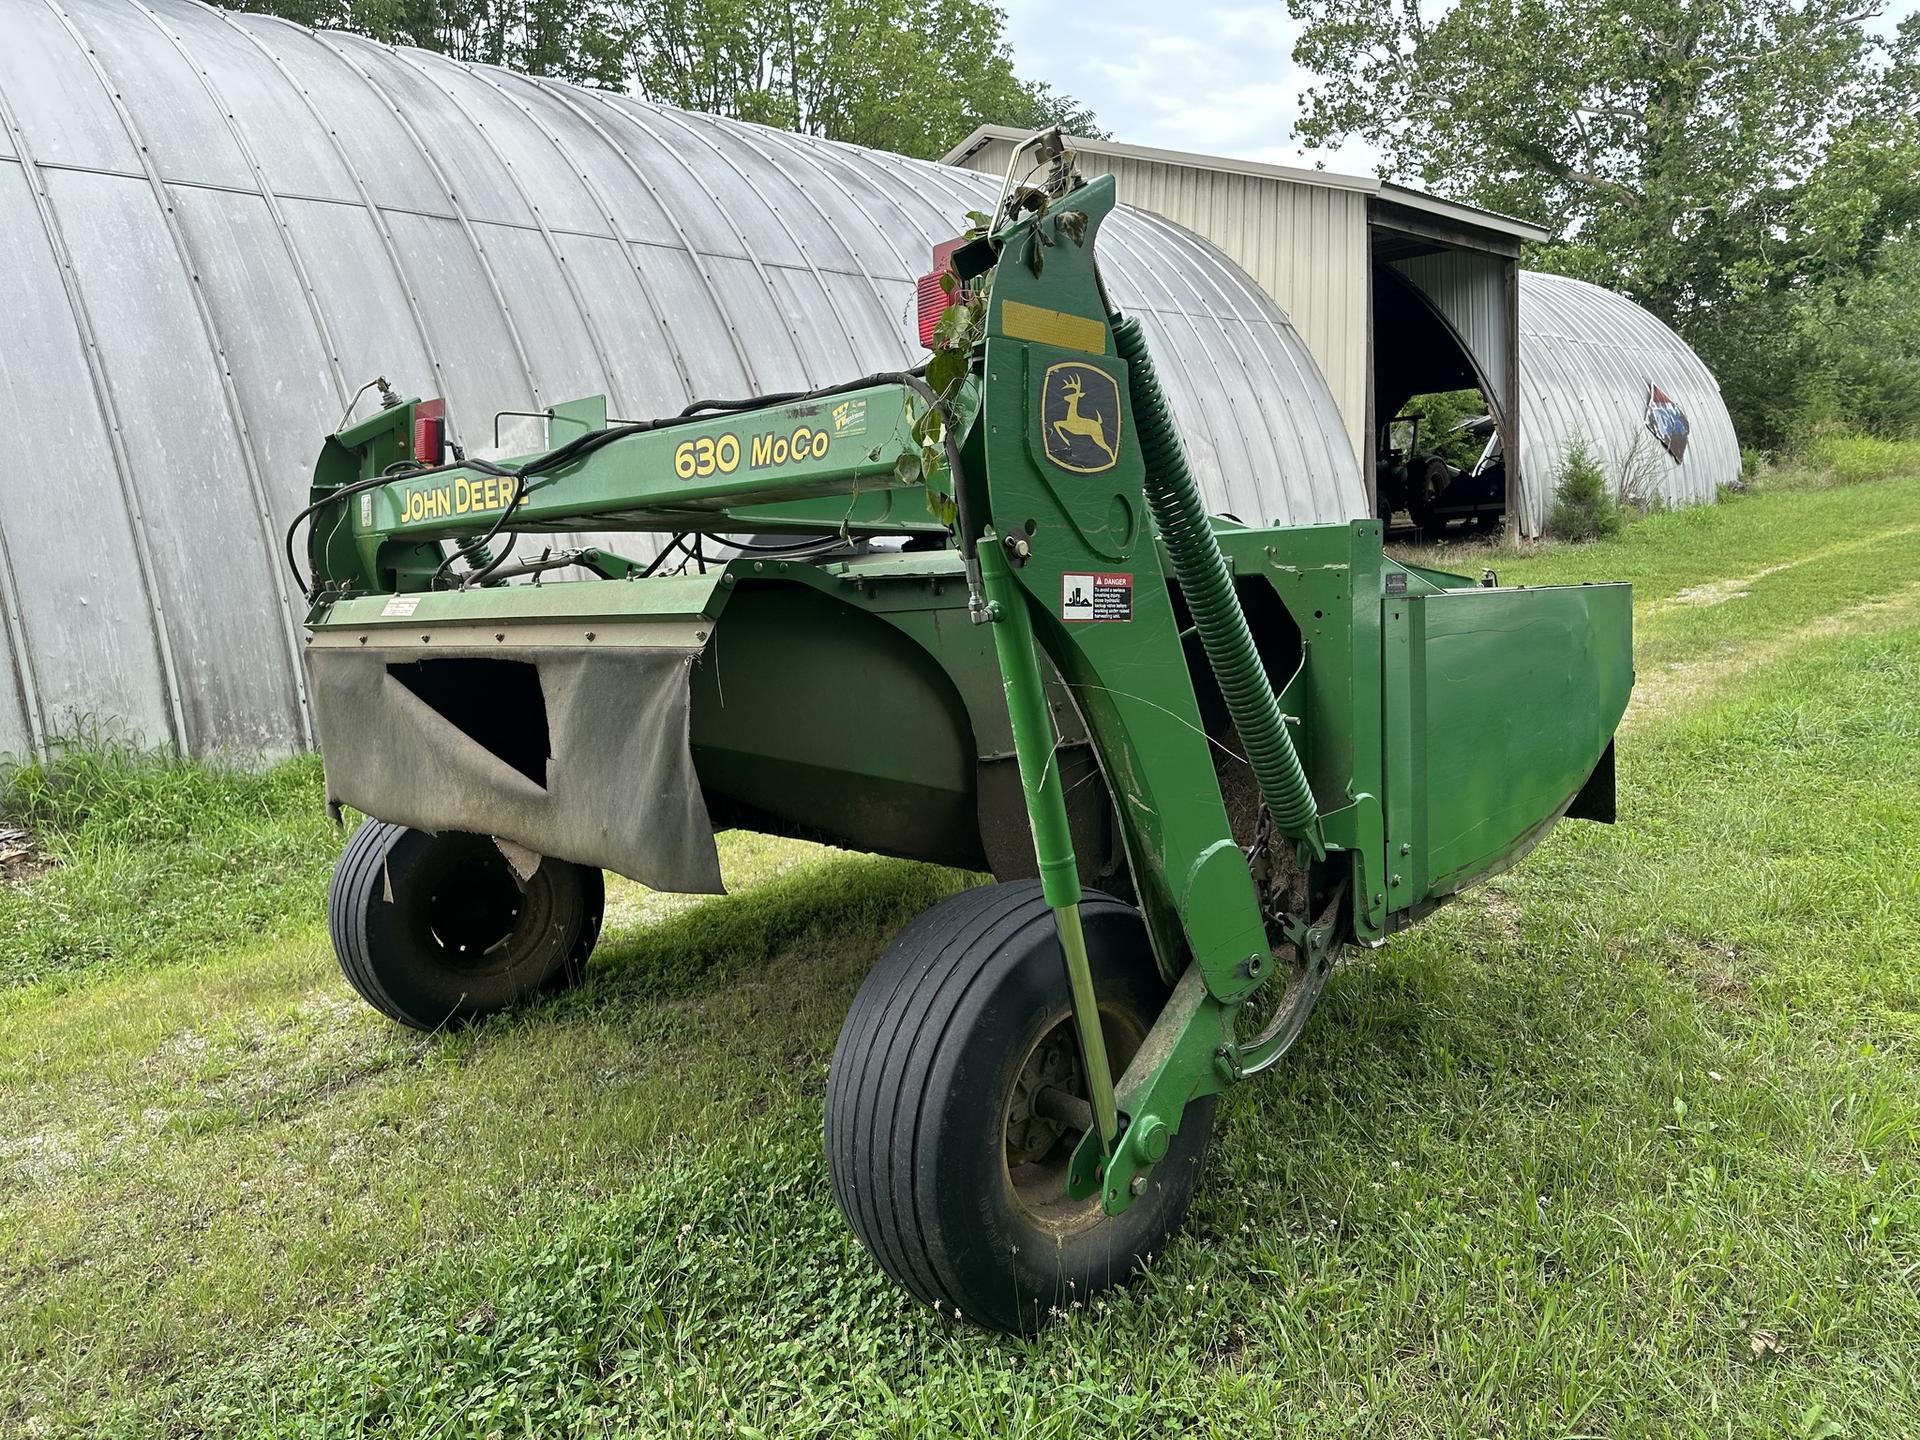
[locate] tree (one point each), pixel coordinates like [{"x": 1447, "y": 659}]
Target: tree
[
  {"x": 1733, "y": 165},
  {"x": 913, "y": 76},
  {"x": 1663, "y": 140}
]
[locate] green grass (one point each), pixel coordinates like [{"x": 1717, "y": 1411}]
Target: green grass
[
  {"x": 156, "y": 862},
  {"x": 1625, "y": 1143},
  {"x": 1851, "y": 459}
]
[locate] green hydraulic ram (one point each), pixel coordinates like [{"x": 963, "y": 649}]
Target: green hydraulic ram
[{"x": 1020, "y": 1100}]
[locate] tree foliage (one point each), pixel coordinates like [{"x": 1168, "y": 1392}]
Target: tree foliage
[
  {"x": 908, "y": 75},
  {"x": 1737, "y": 166},
  {"x": 913, "y": 76}
]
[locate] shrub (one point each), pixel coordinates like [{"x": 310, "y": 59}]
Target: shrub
[{"x": 1583, "y": 505}]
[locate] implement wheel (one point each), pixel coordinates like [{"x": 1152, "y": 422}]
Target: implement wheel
[
  {"x": 956, "y": 1096},
  {"x": 434, "y": 930}
]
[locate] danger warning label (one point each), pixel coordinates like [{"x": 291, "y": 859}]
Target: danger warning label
[{"x": 1096, "y": 597}]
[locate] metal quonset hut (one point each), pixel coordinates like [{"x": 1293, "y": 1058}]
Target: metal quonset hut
[
  {"x": 1590, "y": 363},
  {"x": 218, "y": 226}
]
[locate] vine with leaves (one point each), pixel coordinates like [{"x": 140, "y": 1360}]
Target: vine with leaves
[{"x": 958, "y": 330}]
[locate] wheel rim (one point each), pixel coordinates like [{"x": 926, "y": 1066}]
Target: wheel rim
[
  {"x": 1038, "y": 1140},
  {"x": 478, "y": 915}
]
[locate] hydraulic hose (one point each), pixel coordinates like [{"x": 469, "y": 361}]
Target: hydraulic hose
[{"x": 1202, "y": 571}]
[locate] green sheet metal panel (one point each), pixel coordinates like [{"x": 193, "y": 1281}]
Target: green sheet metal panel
[{"x": 1512, "y": 696}]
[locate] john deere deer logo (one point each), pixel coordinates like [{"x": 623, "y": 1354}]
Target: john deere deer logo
[{"x": 1080, "y": 417}]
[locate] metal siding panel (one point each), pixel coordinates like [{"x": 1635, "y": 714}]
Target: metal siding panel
[
  {"x": 361, "y": 294},
  {"x": 643, "y": 380},
  {"x": 480, "y": 371},
  {"x": 541, "y": 175},
  {"x": 185, "y": 135},
  {"x": 467, "y": 178},
  {"x": 55, "y": 96},
  {"x": 358, "y": 117},
  {"x": 683, "y": 193},
  {"x": 769, "y": 327},
  {"x": 85, "y": 622},
  {"x": 262, "y": 102},
  {"x": 551, "y": 327},
  {"x": 596, "y": 137},
  {"x": 16, "y": 728},
  {"x": 200, "y": 519},
  {"x": 279, "y": 368},
  {"x": 705, "y": 330}
]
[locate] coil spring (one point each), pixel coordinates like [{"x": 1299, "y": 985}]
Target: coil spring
[{"x": 1204, "y": 579}]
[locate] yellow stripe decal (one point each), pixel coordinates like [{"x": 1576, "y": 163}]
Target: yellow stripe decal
[{"x": 1052, "y": 327}]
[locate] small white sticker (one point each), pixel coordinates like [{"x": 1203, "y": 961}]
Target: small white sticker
[
  {"x": 1096, "y": 596},
  {"x": 401, "y": 606},
  {"x": 366, "y": 511}
]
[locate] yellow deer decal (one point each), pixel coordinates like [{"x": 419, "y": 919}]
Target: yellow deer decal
[{"x": 1074, "y": 423}]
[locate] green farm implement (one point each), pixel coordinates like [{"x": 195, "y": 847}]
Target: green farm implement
[{"x": 973, "y": 614}]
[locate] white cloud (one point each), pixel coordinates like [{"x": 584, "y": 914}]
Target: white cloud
[{"x": 1213, "y": 77}]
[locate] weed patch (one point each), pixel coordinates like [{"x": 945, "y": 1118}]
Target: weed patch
[{"x": 138, "y": 860}]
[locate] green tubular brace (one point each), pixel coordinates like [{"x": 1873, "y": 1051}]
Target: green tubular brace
[{"x": 1177, "y": 509}]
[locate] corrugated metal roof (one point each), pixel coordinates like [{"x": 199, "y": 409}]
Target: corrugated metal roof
[
  {"x": 1292, "y": 174},
  {"x": 218, "y": 225},
  {"x": 1587, "y": 357}
]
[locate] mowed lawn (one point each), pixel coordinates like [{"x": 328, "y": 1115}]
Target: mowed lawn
[{"x": 1624, "y": 1143}]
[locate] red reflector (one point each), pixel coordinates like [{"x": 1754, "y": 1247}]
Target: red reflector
[
  {"x": 430, "y": 432},
  {"x": 933, "y": 295}
]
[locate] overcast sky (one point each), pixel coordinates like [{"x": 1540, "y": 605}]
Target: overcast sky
[{"x": 1211, "y": 76}]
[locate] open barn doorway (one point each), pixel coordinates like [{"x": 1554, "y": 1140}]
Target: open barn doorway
[{"x": 1440, "y": 464}]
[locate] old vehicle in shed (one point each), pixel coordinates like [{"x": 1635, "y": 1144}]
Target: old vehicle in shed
[{"x": 1199, "y": 757}]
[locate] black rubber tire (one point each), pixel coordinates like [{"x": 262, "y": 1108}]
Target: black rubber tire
[
  {"x": 917, "y": 1105},
  {"x": 390, "y": 889}
]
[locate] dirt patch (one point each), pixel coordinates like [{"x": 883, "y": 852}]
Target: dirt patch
[
  {"x": 1684, "y": 681},
  {"x": 1718, "y": 592},
  {"x": 20, "y": 858}
]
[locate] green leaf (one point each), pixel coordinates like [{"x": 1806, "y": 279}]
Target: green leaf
[
  {"x": 954, "y": 329},
  {"x": 945, "y": 371},
  {"x": 907, "y": 470}
]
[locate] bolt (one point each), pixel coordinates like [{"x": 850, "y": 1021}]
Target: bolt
[
  {"x": 1137, "y": 1186},
  {"x": 1150, "y": 1139},
  {"x": 589, "y": 634},
  {"x": 425, "y": 638},
  {"x": 499, "y": 634},
  {"x": 1396, "y": 880},
  {"x": 1406, "y": 849}
]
